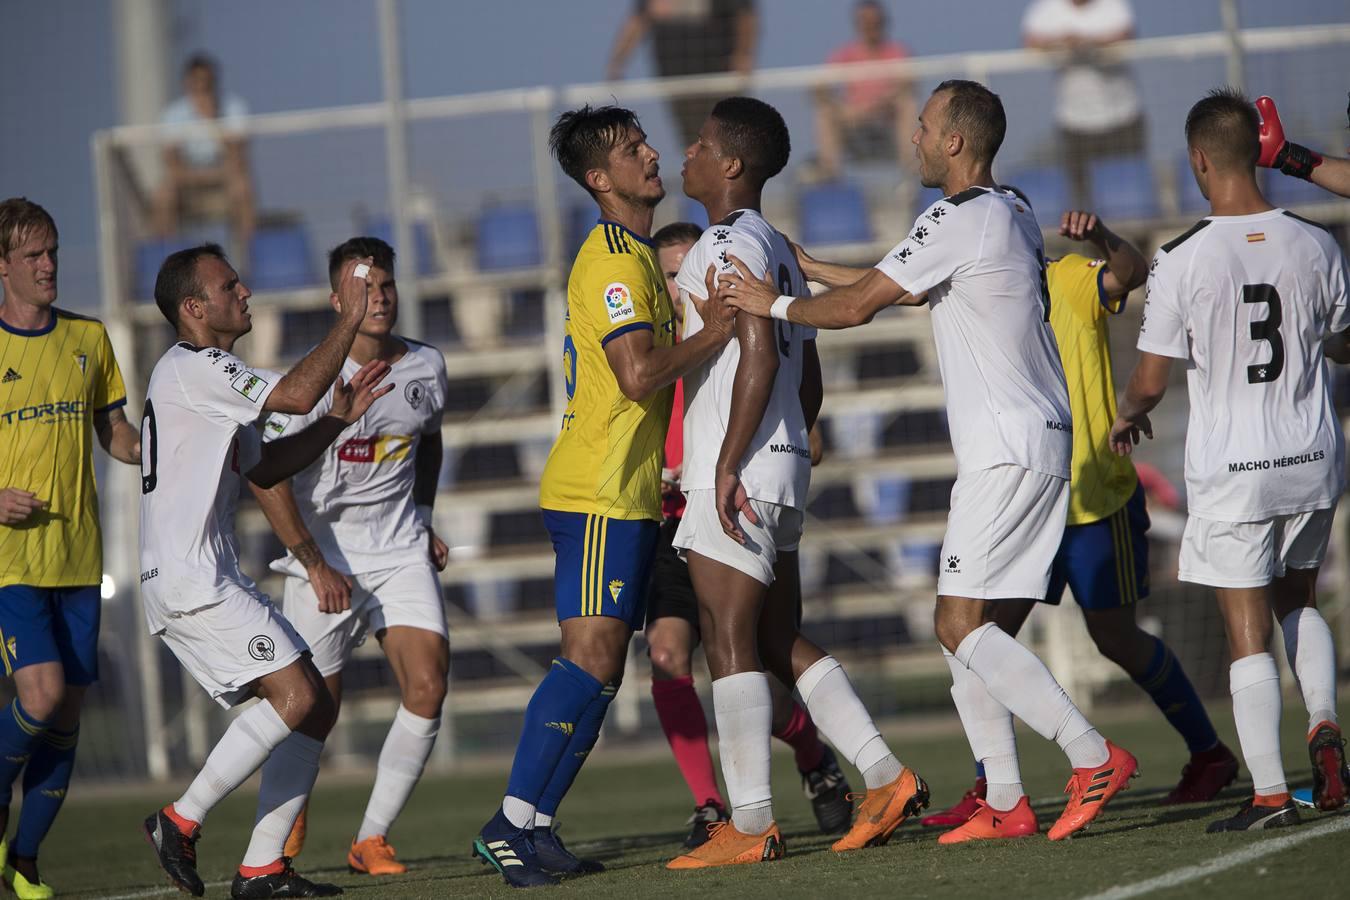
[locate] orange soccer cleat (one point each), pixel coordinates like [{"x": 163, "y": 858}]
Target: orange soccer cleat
[
  {"x": 989, "y": 824},
  {"x": 1091, "y": 789},
  {"x": 883, "y": 810},
  {"x": 728, "y": 847},
  {"x": 374, "y": 856},
  {"x": 958, "y": 814},
  {"x": 295, "y": 841}
]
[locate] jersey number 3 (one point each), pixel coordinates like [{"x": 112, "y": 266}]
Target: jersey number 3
[{"x": 1267, "y": 330}]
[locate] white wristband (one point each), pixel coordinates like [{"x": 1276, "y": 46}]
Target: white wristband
[
  {"x": 424, "y": 515},
  {"x": 779, "y": 310}
]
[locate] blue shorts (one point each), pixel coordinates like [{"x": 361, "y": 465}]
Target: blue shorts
[
  {"x": 1104, "y": 563},
  {"x": 602, "y": 565},
  {"x": 39, "y": 625}
]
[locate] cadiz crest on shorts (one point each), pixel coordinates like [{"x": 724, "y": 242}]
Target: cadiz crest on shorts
[{"x": 262, "y": 648}]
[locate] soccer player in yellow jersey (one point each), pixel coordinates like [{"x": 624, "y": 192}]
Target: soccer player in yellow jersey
[
  {"x": 1103, "y": 557},
  {"x": 601, "y": 488},
  {"x": 59, "y": 388}
]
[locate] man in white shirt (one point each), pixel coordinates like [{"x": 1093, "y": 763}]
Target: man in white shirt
[
  {"x": 746, "y": 470},
  {"x": 198, "y": 440},
  {"x": 977, "y": 260},
  {"x": 1097, "y": 105},
  {"x": 1251, "y": 297},
  {"x": 363, "y": 555}
]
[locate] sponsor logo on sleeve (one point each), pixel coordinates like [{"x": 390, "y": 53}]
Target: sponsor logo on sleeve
[
  {"x": 619, "y": 302},
  {"x": 935, "y": 214},
  {"x": 902, "y": 255},
  {"x": 276, "y": 424},
  {"x": 722, "y": 236},
  {"x": 250, "y": 385}
]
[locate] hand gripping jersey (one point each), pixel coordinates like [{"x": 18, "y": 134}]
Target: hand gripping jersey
[
  {"x": 979, "y": 256},
  {"x": 357, "y": 498},
  {"x": 53, "y": 381},
  {"x": 606, "y": 460},
  {"x": 1247, "y": 301},
  {"x": 777, "y": 464},
  {"x": 197, "y": 440}
]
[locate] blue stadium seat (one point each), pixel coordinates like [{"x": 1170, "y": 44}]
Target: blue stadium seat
[
  {"x": 1122, "y": 188},
  {"x": 427, "y": 262},
  {"x": 1189, "y": 199},
  {"x": 1047, "y": 188},
  {"x": 280, "y": 259},
  {"x": 1291, "y": 193},
  {"x": 150, "y": 254},
  {"x": 833, "y": 213},
  {"x": 927, "y": 197},
  {"x": 692, "y": 211},
  {"x": 882, "y": 499},
  {"x": 578, "y": 220},
  {"x": 508, "y": 238}
]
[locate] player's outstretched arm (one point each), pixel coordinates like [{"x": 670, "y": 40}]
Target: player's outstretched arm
[
  {"x": 842, "y": 307},
  {"x": 827, "y": 273},
  {"x": 333, "y": 588},
  {"x": 303, "y": 386},
  {"x": 641, "y": 368},
  {"x": 751, "y": 389},
  {"x": 1126, "y": 268},
  {"x": 1148, "y": 384},
  {"x": 118, "y": 437},
  {"x": 426, "y": 477},
  {"x": 1295, "y": 159},
  {"x": 285, "y": 456}
]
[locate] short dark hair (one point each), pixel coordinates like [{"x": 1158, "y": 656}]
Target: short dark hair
[
  {"x": 19, "y": 218},
  {"x": 1226, "y": 126},
  {"x": 677, "y": 233},
  {"x": 177, "y": 279},
  {"x": 976, "y": 113},
  {"x": 201, "y": 60},
  {"x": 581, "y": 139},
  {"x": 359, "y": 248},
  {"x": 755, "y": 133}
]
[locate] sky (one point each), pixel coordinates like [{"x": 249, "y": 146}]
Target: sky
[{"x": 58, "y": 83}]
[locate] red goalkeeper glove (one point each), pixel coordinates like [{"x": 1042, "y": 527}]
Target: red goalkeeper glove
[{"x": 1276, "y": 152}]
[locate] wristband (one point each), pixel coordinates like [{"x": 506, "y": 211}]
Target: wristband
[
  {"x": 424, "y": 515},
  {"x": 1297, "y": 160},
  {"x": 779, "y": 310}
]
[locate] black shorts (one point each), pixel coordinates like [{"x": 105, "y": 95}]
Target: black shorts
[{"x": 670, "y": 592}]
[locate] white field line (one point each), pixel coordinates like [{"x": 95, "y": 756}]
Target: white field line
[{"x": 1222, "y": 863}]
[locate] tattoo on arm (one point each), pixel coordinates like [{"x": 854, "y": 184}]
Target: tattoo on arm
[{"x": 307, "y": 553}]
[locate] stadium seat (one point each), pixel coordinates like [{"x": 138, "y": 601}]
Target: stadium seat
[
  {"x": 280, "y": 259},
  {"x": 882, "y": 499},
  {"x": 508, "y": 238},
  {"x": 1047, "y": 188},
  {"x": 927, "y": 197},
  {"x": 833, "y": 213},
  {"x": 1291, "y": 193},
  {"x": 578, "y": 220},
  {"x": 1122, "y": 188},
  {"x": 1190, "y": 201},
  {"x": 427, "y": 261},
  {"x": 150, "y": 255}
]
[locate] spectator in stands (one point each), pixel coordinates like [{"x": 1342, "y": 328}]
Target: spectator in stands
[
  {"x": 867, "y": 119},
  {"x": 206, "y": 176},
  {"x": 1097, "y": 106},
  {"x": 690, "y": 37}
]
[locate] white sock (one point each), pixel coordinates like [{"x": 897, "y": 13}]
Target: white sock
[
  {"x": 1016, "y": 678},
  {"x": 402, "y": 759},
  {"x": 518, "y": 812},
  {"x": 287, "y": 778},
  {"x": 1254, "y": 682},
  {"x": 542, "y": 821},
  {"x": 1307, "y": 641},
  {"x": 236, "y": 756},
  {"x": 839, "y": 714},
  {"x": 989, "y": 729},
  {"x": 743, "y": 707}
]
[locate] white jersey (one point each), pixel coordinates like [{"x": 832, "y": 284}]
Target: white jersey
[
  {"x": 1247, "y": 301},
  {"x": 197, "y": 438},
  {"x": 980, "y": 258},
  {"x": 357, "y": 498},
  {"x": 777, "y": 464}
]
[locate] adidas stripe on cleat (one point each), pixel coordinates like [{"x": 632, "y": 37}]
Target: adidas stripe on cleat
[
  {"x": 514, "y": 859},
  {"x": 1090, "y": 790}
]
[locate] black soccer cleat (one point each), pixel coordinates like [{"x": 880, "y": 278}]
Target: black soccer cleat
[
  {"x": 707, "y": 814},
  {"x": 827, "y": 788},
  {"x": 175, "y": 851},
  {"x": 510, "y": 851},
  {"x": 1257, "y": 818},
  {"x": 554, "y": 856},
  {"x": 286, "y": 883},
  {"x": 1331, "y": 777}
]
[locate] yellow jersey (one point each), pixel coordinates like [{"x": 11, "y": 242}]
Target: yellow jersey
[
  {"x": 1101, "y": 480},
  {"x": 607, "y": 458},
  {"x": 52, "y": 382}
]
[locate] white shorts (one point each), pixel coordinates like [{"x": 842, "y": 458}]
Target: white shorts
[
  {"x": 1252, "y": 554},
  {"x": 403, "y": 596},
  {"x": 779, "y": 530},
  {"x": 1003, "y": 532},
  {"x": 229, "y": 646}
]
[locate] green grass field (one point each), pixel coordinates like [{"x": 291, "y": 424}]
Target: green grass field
[{"x": 632, "y": 817}]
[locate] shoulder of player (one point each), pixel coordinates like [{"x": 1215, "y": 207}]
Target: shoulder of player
[
  {"x": 1175, "y": 243},
  {"x": 1325, "y": 229},
  {"x": 89, "y": 325},
  {"x": 613, "y": 239},
  {"x": 425, "y": 353}
]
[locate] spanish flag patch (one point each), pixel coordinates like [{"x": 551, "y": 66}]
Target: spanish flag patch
[{"x": 1256, "y": 237}]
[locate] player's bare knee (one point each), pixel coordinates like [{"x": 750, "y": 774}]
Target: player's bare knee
[
  {"x": 42, "y": 699},
  {"x": 668, "y": 661},
  {"x": 425, "y": 694}
]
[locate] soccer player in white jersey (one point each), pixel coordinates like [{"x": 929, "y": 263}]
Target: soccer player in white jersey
[
  {"x": 977, "y": 259},
  {"x": 1250, "y": 297},
  {"x": 745, "y": 475},
  {"x": 197, "y": 441},
  {"x": 362, "y": 553}
]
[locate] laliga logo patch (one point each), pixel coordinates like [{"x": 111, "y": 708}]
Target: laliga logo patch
[
  {"x": 262, "y": 648},
  {"x": 619, "y": 301}
]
